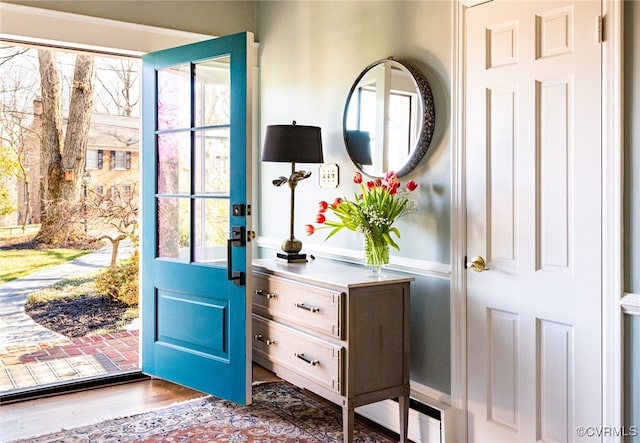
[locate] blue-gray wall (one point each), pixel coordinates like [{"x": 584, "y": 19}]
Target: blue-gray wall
[{"x": 310, "y": 54}]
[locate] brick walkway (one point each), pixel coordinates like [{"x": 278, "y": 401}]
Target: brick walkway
[
  {"x": 30, "y": 365},
  {"x": 32, "y": 355}
]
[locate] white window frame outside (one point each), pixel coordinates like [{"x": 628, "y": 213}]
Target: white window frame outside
[
  {"x": 120, "y": 161},
  {"x": 91, "y": 160}
]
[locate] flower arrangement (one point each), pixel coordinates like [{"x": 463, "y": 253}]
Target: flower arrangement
[{"x": 371, "y": 213}]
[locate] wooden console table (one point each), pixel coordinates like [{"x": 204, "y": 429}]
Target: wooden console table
[{"x": 330, "y": 328}]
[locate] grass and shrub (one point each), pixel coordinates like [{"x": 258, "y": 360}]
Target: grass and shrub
[
  {"x": 98, "y": 303},
  {"x": 120, "y": 282}
]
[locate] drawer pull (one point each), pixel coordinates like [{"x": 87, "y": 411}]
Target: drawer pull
[
  {"x": 268, "y": 295},
  {"x": 266, "y": 341},
  {"x": 305, "y": 359},
  {"x": 307, "y": 308}
]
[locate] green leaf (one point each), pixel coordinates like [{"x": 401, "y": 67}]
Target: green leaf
[{"x": 390, "y": 241}]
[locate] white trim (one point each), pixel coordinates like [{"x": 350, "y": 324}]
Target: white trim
[
  {"x": 45, "y": 27},
  {"x": 458, "y": 326},
  {"x": 429, "y": 396},
  {"x": 630, "y": 304},
  {"x": 401, "y": 264},
  {"x": 612, "y": 216},
  {"x": 422, "y": 428}
]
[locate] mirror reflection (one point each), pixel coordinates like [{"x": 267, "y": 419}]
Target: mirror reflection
[{"x": 388, "y": 118}]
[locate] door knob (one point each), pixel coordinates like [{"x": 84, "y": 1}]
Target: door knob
[{"x": 477, "y": 263}]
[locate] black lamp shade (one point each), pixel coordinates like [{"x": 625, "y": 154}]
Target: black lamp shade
[{"x": 292, "y": 143}]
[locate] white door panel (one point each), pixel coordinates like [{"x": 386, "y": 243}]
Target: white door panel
[{"x": 532, "y": 142}]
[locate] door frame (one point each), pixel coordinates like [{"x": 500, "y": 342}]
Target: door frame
[{"x": 612, "y": 218}]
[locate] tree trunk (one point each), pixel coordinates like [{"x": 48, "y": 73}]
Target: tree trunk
[
  {"x": 51, "y": 142},
  {"x": 114, "y": 251},
  {"x": 63, "y": 161},
  {"x": 77, "y": 135}
]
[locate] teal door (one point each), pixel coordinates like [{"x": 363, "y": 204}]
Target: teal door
[{"x": 195, "y": 206}]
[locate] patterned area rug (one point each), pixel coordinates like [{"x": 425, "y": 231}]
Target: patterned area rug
[{"x": 280, "y": 413}]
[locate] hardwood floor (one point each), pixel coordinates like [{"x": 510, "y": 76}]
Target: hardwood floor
[{"x": 41, "y": 416}]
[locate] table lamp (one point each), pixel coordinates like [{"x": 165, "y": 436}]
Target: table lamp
[{"x": 295, "y": 144}]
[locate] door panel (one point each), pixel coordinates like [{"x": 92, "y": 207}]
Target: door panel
[
  {"x": 532, "y": 142},
  {"x": 196, "y": 322}
]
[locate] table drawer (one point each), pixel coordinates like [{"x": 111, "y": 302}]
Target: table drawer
[
  {"x": 311, "y": 357},
  {"x": 309, "y": 306}
]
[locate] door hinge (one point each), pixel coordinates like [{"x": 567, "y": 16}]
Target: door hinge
[{"x": 601, "y": 29}]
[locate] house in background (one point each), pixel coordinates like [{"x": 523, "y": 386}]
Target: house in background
[
  {"x": 309, "y": 54},
  {"x": 112, "y": 161}
]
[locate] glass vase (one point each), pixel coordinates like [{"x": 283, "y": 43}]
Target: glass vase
[{"x": 376, "y": 252}]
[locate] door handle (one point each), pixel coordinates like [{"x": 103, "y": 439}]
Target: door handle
[
  {"x": 478, "y": 264},
  {"x": 237, "y": 239}
]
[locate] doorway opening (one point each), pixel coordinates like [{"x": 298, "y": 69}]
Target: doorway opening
[{"x": 74, "y": 323}]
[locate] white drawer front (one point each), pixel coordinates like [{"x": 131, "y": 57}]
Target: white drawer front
[
  {"x": 313, "y": 358},
  {"x": 305, "y": 305}
]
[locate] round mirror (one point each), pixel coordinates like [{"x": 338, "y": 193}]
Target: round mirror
[{"x": 389, "y": 118}]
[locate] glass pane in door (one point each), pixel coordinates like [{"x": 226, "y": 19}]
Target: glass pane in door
[
  {"x": 212, "y": 155},
  {"x": 212, "y": 230},
  {"x": 213, "y": 92},
  {"x": 174, "y": 237},
  {"x": 174, "y": 97},
  {"x": 174, "y": 163}
]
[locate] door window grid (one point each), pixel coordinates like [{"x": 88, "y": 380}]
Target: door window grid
[{"x": 193, "y": 164}]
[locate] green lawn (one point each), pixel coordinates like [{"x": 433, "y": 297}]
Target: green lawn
[{"x": 16, "y": 263}]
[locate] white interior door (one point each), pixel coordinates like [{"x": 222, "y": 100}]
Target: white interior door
[{"x": 533, "y": 180}]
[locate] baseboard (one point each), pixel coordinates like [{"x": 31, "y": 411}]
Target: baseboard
[
  {"x": 423, "y": 427},
  {"x": 431, "y": 416}
]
